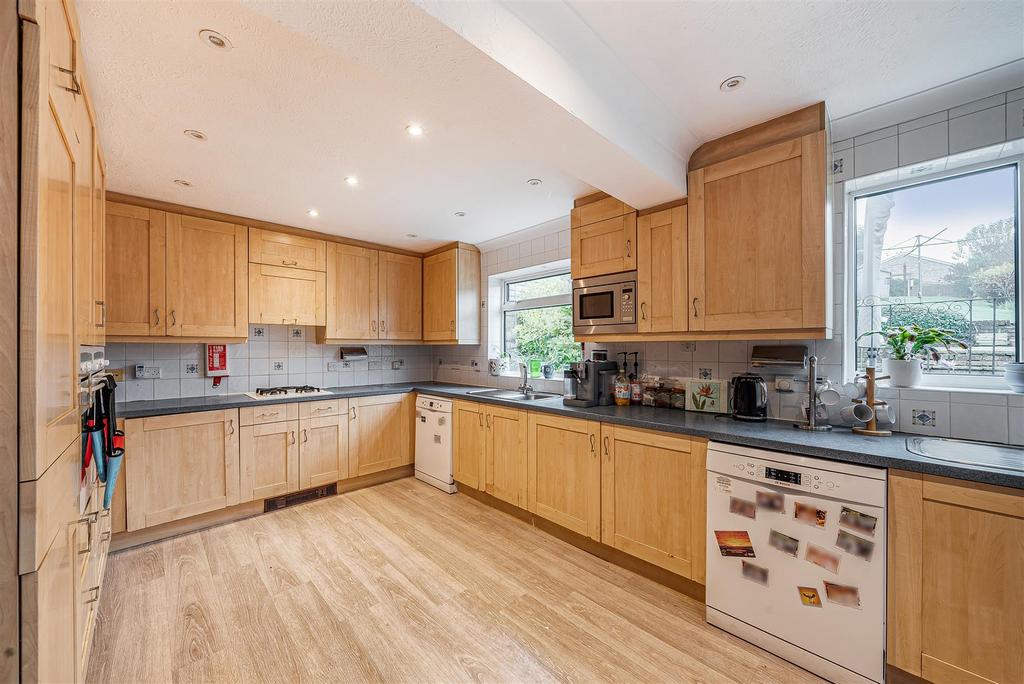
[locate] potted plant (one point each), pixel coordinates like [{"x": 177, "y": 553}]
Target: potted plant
[{"x": 909, "y": 346}]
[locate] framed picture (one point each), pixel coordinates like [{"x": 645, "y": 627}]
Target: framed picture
[{"x": 708, "y": 396}]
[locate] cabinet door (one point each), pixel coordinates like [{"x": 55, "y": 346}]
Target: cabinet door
[
  {"x": 956, "y": 565},
  {"x": 401, "y": 301},
  {"x": 604, "y": 247},
  {"x": 48, "y": 615},
  {"x": 440, "y": 287},
  {"x": 323, "y": 449},
  {"x": 380, "y": 430},
  {"x": 85, "y": 307},
  {"x": 757, "y": 247},
  {"x": 564, "y": 472},
  {"x": 281, "y": 249},
  {"x": 287, "y": 295},
  {"x": 207, "y": 278},
  {"x": 661, "y": 271},
  {"x": 180, "y": 466},
  {"x": 269, "y": 460},
  {"x": 352, "y": 281},
  {"x": 469, "y": 446},
  {"x": 135, "y": 252},
  {"x": 652, "y": 498},
  {"x": 506, "y": 454},
  {"x": 98, "y": 246}
]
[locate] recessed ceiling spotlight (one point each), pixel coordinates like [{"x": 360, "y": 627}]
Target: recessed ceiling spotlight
[
  {"x": 182, "y": 182},
  {"x": 732, "y": 83},
  {"x": 313, "y": 212},
  {"x": 534, "y": 182},
  {"x": 352, "y": 180},
  {"x": 411, "y": 235},
  {"x": 217, "y": 41},
  {"x": 194, "y": 134},
  {"x": 415, "y": 130},
  {"x": 460, "y": 214}
]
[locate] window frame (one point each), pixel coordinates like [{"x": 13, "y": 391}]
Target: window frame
[
  {"x": 929, "y": 381},
  {"x": 527, "y": 304}
]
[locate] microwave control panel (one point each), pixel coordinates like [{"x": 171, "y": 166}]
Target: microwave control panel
[{"x": 628, "y": 306}]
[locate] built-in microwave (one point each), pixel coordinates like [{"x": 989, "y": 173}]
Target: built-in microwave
[{"x": 604, "y": 304}]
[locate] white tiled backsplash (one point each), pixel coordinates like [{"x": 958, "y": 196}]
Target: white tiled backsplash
[{"x": 274, "y": 355}]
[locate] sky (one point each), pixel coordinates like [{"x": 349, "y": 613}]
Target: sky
[{"x": 957, "y": 204}]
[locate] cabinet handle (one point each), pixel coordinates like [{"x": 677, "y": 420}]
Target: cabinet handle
[
  {"x": 481, "y": 417},
  {"x": 592, "y": 445},
  {"x": 320, "y": 410},
  {"x": 605, "y": 446},
  {"x": 353, "y": 412},
  {"x": 373, "y": 325},
  {"x": 285, "y": 262},
  {"x": 156, "y": 312},
  {"x": 291, "y": 434},
  {"x": 96, "y": 594},
  {"x": 452, "y": 326},
  {"x": 383, "y": 328},
  {"x": 629, "y": 248},
  {"x": 231, "y": 426},
  {"x": 174, "y": 319},
  {"x": 695, "y": 314},
  {"x": 488, "y": 421},
  {"x": 643, "y": 311},
  {"x": 305, "y": 437},
  {"x": 76, "y": 87},
  {"x": 103, "y": 312},
  {"x": 268, "y": 415}
]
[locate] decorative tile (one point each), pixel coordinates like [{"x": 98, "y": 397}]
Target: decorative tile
[
  {"x": 296, "y": 333},
  {"x": 258, "y": 332},
  {"x": 705, "y": 373},
  {"x": 842, "y": 165},
  {"x": 922, "y": 417},
  {"x": 190, "y": 369}
]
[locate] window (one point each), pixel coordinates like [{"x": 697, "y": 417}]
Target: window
[
  {"x": 943, "y": 252},
  {"x": 536, "y": 319}
]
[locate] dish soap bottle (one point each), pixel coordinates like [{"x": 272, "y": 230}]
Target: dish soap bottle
[
  {"x": 622, "y": 384},
  {"x": 636, "y": 390}
]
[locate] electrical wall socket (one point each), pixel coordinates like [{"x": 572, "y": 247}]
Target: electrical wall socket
[
  {"x": 397, "y": 364},
  {"x": 147, "y": 372},
  {"x": 335, "y": 366}
]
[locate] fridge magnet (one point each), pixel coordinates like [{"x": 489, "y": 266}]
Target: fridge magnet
[
  {"x": 706, "y": 395},
  {"x": 854, "y": 545},
  {"x": 774, "y": 502},
  {"x": 755, "y": 573},
  {"x": 734, "y": 543},
  {"x": 783, "y": 543},
  {"x": 742, "y": 507},
  {"x": 723, "y": 484},
  {"x": 809, "y": 515},
  {"x": 822, "y": 558},
  {"x": 842, "y": 594},
  {"x": 809, "y": 596},
  {"x": 855, "y": 520}
]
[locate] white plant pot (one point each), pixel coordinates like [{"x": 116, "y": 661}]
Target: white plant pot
[{"x": 903, "y": 373}]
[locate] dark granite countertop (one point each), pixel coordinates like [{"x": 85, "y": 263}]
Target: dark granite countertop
[{"x": 838, "y": 445}]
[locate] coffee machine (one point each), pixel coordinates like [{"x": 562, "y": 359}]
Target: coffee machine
[{"x": 584, "y": 380}]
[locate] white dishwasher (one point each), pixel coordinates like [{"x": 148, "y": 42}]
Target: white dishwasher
[
  {"x": 796, "y": 558},
  {"x": 434, "y": 442}
]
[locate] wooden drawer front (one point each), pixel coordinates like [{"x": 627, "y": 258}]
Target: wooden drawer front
[
  {"x": 274, "y": 413},
  {"x": 47, "y": 505},
  {"x": 602, "y": 209},
  {"x": 269, "y": 460},
  {"x": 281, "y": 249},
  {"x": 323, "y": 409},
  {"x": 604, "y": 247}
]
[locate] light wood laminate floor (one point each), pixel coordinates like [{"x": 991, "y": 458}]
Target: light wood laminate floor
[{"x": 400, "y": 582}]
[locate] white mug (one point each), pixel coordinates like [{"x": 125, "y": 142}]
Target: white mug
[
  {"x": 884, "y": 414},
  {"x": 857, "y": 413}
]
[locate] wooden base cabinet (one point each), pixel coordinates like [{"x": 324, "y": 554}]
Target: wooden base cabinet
[
  {"x": 48, "y": 615},
  {"x": 652, "y": 497},
  {"x": 505, "y": 462},
  {"x": 469, "y": 444},
  {"x": 323, "y": 443},
  {"x": 380, "y": 433},
  {"x": 564, "y": 472},
  {"x": 955, "y": 572},
  {"x": 180, "y": 465},
  {"x": 269, "y": 460}
]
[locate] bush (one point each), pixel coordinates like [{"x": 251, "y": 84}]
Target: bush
[{"x": 926, "y": 317}]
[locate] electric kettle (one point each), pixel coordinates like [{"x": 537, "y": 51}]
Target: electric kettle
[{"x": 749, "y": 398}]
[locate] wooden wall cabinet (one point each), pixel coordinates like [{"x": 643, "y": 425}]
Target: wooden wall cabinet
[
  {"x": 451, "y": 296},
  {"x": 603, "y": 237},
  {"x": 652, "y": 497},
  {"x": 955, "y": 569},
  {"x": 282, "y": 249},
  {"x": 564, "y": 472},
  {"x": 171, "y": 275},
  {"x": 758, "y": 245},
  {"x": 90, "y": 308},
  {"x": 380, "y": 433},
  {"x": 372, "y": 295},
  {"x": 180, "y": 466},
  {"x": 283, "y": 295},
  {"x": 661, "y": 271}
]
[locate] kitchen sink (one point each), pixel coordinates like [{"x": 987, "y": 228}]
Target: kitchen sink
[
  {"x": 513, "y": 395},
  {"x": 968, "y": 453}
]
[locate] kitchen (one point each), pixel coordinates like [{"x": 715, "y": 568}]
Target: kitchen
[{"x": 344, "y": 353}]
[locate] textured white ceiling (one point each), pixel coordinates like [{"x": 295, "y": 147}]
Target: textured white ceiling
[
  {"x": 315, "y": 91},
  {"x": 854, "y": 55}
]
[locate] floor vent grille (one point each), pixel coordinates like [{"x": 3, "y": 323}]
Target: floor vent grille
[{"x": 296, "y": 498}]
